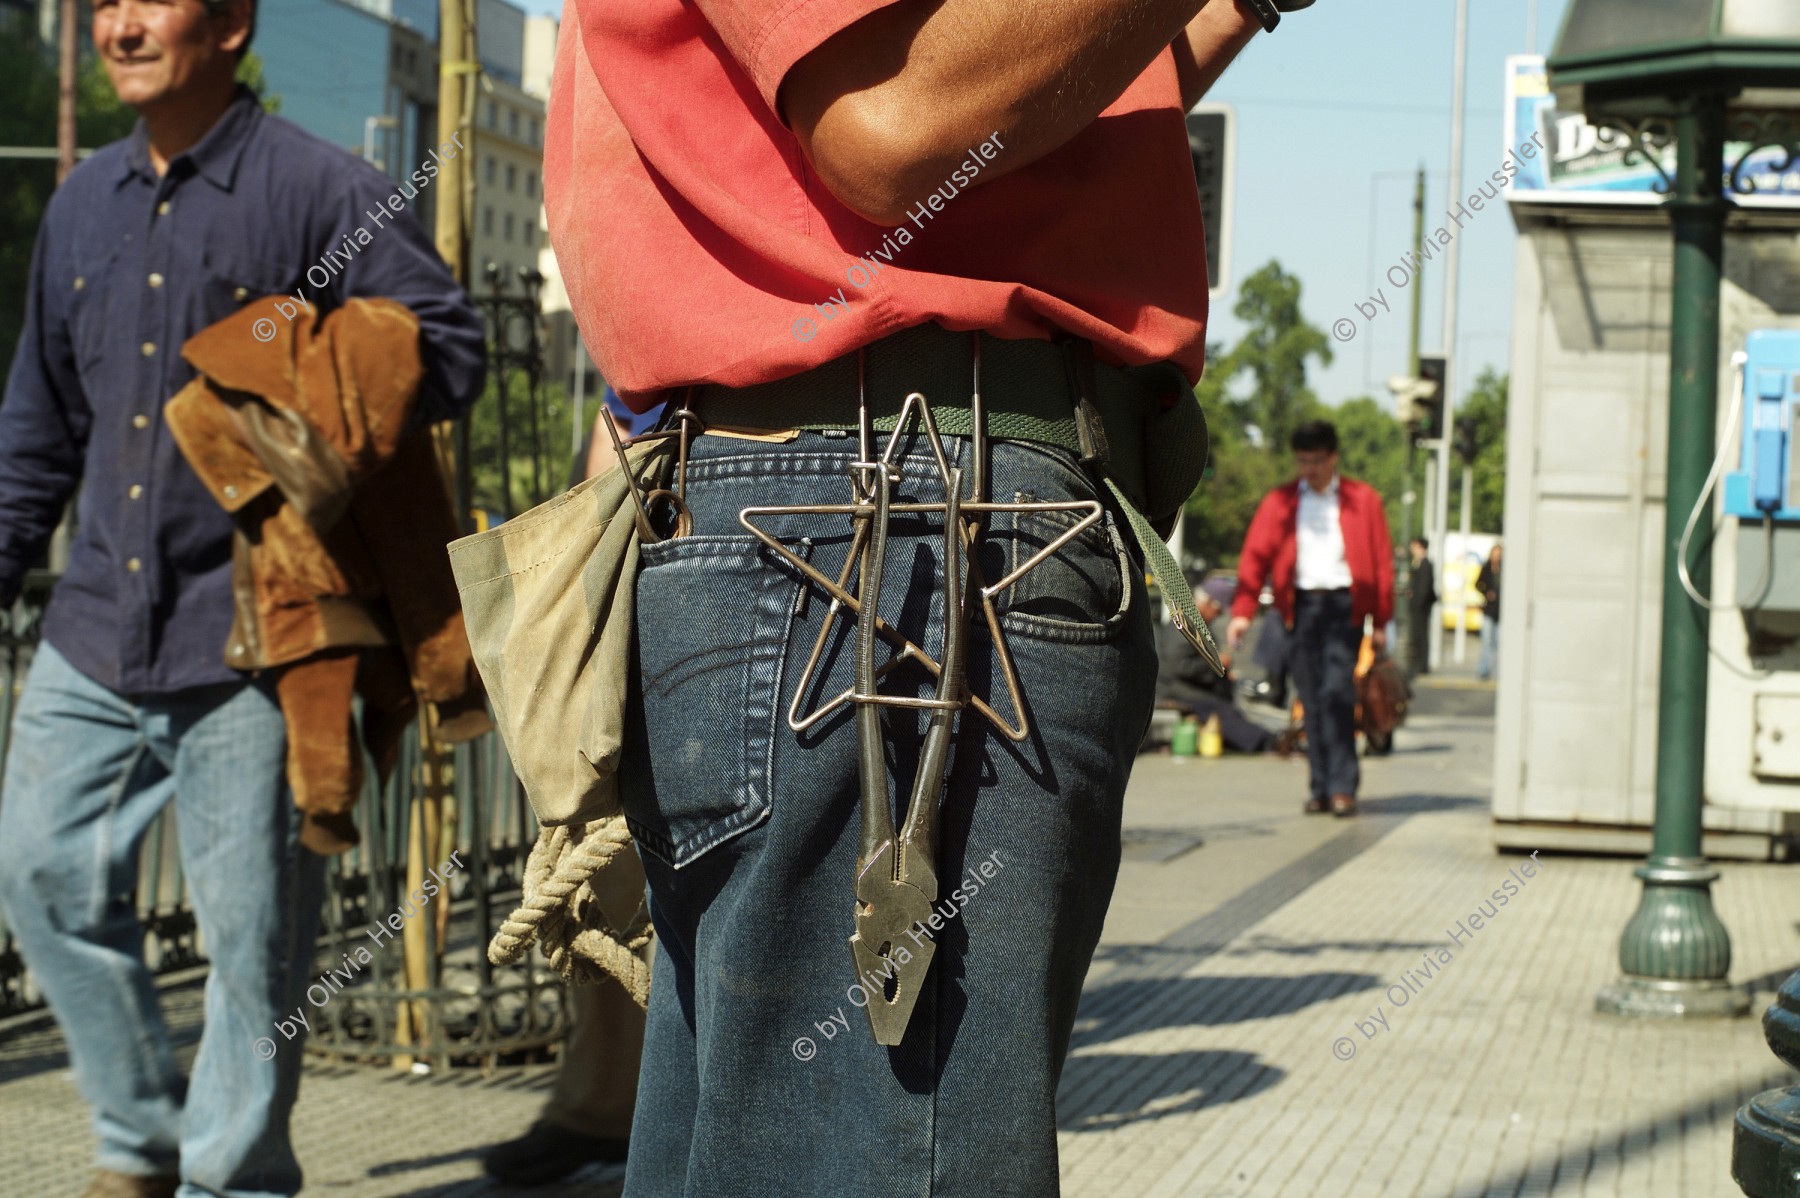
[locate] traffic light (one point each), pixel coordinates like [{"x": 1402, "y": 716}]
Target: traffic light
[
  {"x": 1465, "y": 442},
  {"x": 1433, "y": 370},
  {"x": 1210, "y": 130},
  {"x": 1420, "y": 401}
]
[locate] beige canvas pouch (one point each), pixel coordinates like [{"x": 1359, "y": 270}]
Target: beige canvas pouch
[{"x": 548, "y": 598}]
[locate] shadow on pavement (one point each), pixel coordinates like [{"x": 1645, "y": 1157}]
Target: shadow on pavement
[
  {"x": 1160, "y": 1085},
  {"x": 1144, "y": 1004}
]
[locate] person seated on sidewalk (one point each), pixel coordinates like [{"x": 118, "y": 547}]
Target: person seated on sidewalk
[{"x": 1186, "y": 682}]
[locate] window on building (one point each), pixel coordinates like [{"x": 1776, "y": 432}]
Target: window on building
[
  {"x": 509, "y": 226},
  {"x": 490, "y": 168},
  {"x": 512, "y": 177},
  {"x": 487, "y": 222},
  {"x": 534, "y": 131},
  {"x": 531, "y": 183},
  {"x": 493, "y": 122},
  {"x": 512, "y": 125}
]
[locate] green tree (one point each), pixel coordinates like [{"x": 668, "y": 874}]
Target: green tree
[
  {"x": 28, "y": 87},
  {"x": 1372, "y": 443},
  {"x": 1273, "y": 354},
  {"x": 250, "y": 74},
  {"x": 539, "y": 466},
  {"x": 1254, "y": 396},
  {"x": 1485, "y": 408}
]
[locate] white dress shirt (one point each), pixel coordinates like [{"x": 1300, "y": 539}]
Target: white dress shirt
[{"x": 1320, "y": 564}]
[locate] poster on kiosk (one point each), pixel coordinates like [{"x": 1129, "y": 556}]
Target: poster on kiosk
[{"x": 1589, "y": 165}]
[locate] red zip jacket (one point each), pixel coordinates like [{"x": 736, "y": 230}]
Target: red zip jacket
[{"x": 1270, "y": 549}]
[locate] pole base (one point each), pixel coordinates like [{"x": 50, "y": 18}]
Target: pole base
[
  {"x": 1765, "y": 1145},
  {"x": 1652, "y": 998}
]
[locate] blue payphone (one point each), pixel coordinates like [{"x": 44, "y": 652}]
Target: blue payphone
[{"x": 1766, "y": 484}]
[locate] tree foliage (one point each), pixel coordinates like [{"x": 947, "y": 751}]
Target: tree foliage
[
  {"x": 539, "y": 463},
  {"x": 28, "y": 92},
  {"x": 28, "y": 88},
  {"x": 1485, "y": 408},
  {"x": 1254, "y": 395}
]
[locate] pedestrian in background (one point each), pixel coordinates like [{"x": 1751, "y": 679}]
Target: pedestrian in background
[
  {"x": 1322, "y": 543},
  {"x": 1421, "y": 596},
  {"x": 1488, "y": 583},
  {"x": 209, "y": 204}
]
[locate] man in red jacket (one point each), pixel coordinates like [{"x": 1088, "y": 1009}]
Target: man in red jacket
[{"x": 1321, "y": 542}]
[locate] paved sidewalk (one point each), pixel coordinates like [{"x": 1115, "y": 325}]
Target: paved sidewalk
[
  {"x": 1245, "y": 942},
  {"x": 1207, "y": 1059}
]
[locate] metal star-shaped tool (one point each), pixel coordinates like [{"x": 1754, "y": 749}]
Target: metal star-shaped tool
[{"x": 1019, "y": 728}]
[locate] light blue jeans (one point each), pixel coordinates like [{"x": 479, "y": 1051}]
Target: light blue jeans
[
  {"x": 1490, "y": 648},
  {"x": 88, "y": 771}
]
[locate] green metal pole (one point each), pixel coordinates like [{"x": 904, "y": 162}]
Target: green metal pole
[{"x": 1675, "y": 952}]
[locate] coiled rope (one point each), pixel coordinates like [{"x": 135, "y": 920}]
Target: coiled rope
[{"x": 558, "y": 909}]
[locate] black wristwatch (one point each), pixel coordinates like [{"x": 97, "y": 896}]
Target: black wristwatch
[{"x": 1269, "y": 11}]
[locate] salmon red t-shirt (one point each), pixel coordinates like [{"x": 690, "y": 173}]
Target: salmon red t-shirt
[{"x": 698, "y": 246}]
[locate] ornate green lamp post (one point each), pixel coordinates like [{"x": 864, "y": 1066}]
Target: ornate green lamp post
[{"x": 1695, "y": 73}]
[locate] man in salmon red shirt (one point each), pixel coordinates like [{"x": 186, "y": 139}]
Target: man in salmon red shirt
[
  {"x": 786, "y": 214},
  {"x": 1321, "y": 543}
]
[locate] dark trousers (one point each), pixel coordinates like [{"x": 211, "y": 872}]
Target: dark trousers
[
  {"x": 1418, "y": 641},
  {"x": 1322, "y": 662},
  {"x": 1238, "y": 731}
]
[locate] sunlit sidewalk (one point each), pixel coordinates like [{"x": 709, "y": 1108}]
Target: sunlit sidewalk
[{"x": 1362, "y": 1039}]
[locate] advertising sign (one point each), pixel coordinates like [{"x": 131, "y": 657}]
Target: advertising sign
[{"x": 1588, "y": 165}]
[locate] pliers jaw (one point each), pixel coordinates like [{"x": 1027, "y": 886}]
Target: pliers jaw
[{"x": 892, "y": 946}]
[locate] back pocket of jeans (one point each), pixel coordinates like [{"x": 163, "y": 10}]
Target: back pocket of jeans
[
  {"x": 1081, "y": 592},
  {"x": 713, "y": 619}
]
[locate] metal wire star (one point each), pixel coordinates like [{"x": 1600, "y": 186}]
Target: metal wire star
[{"x": 861, "y": 510}]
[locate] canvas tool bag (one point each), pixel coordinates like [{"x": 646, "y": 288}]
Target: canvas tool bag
[{"x": 549, "y": 600}]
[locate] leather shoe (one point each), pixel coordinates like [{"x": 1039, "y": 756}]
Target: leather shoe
[
  {"x": 1343, "y": 805},
  {"x": 108, "y": 1184},
  {"x": 1315, "y": 807},
  {"x": 549, "y": 1153}
]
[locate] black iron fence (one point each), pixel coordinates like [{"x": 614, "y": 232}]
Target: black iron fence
[{"x": 429, "y": 994}]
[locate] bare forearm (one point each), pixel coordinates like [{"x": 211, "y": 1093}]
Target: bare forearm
[
  {"x": 886, "y": 109},
  {"x": 1209, "y": 44}
]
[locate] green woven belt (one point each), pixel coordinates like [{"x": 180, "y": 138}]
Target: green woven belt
[{"x": 1150, "y": 454}]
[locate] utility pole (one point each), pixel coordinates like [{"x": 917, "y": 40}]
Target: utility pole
[
  {"x": 1404, "y": 615},
  {"x": 1418, "y": 293},
  {"x": 68, "y": 40},
  {"x": 1441, "y": 500},
  {"x": 457, "y": 78}
]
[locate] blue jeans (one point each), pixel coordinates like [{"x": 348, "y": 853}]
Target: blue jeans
[
  {"x": 88, "y": 771},
  {"x": 1322, "y": 658},
  {"x": 761, "y": 1075},
  {"x": 1490, "y": 647}
]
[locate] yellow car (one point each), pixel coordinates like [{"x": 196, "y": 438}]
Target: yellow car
[{"x": 1459, "y": 578}]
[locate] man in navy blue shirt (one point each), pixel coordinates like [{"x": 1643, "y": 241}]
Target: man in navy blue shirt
[{"x": 209, "y": 204}]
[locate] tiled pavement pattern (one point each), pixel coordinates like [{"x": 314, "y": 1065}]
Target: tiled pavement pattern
[
  {"x": 1243, "y": 941},
  {"x": 1204, "y": 1063}
]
